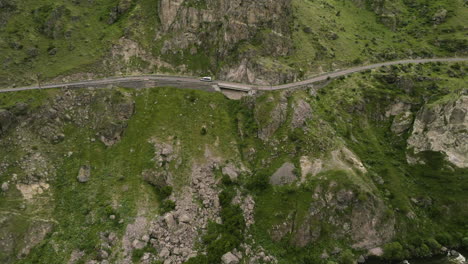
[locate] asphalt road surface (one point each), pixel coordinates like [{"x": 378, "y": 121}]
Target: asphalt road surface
[{"x": 194, "y": 83}]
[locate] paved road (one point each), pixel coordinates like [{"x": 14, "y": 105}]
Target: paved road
[
  {"x": 340, "y": 73},
  {"x": 194, "y": 83}
]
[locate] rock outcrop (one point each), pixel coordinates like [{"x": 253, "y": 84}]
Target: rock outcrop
[
  {"x": 365, "y": 222},
  {"x": 302, "y": 113},
  {"x": 442, "y": 128},
  {"x": 195, "y": 25},
  {"x": 6, "y": 120},
  {"x": 271, "y": 115},
  {"x": 284, "y": 175}
]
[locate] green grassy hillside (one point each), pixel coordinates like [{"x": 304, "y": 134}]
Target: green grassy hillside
[
  {"x": 47, "y": 137},
  {"x": 45, "y": 39}
]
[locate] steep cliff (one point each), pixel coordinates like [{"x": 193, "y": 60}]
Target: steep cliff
[
  {"x": 264, "y": 42},
  {"x": 235, "y": 35}
]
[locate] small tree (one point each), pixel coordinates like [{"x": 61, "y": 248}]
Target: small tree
[
  {"x": 393, "y": 251},
  {"x": 347, "y": 257},
  {"x": 465, "y": 243}
]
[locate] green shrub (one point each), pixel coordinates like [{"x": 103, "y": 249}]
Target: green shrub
[
  {"x": 465, "y": 243},
  {"x": 138, "y": 253},
  {"x": 222, "y": 238},
  {"x": 423, "y": 251},
  {"x": 203, "y": 131},
  {"x": 347, "y": 257},
  {"x": 165, "y": 192},
  {"x": 444, "y": 239},
  {"x": 393, "y": 251},
  {"x": 258, "y": 182},
  {"x": 167, "y": 206},
  {"x": 433, "y": 245}
]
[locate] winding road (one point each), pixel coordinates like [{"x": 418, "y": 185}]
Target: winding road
[{"x": 194, "y": 83}]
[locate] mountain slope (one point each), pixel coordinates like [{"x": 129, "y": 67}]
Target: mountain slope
[
  {"x": 249, "y": 41},
  {"x": 314, "y": 175}
]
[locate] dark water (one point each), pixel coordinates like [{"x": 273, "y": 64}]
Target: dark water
[{"x": 433, "y": 260}]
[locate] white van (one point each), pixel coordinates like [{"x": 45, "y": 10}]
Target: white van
[{"x": 206, "y": 79}]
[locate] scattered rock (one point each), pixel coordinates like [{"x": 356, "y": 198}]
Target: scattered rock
[
  {"x": 169, "y": 219},
  {"x": 84, "y": 174},
  {"x": 229, "y": 258},
  {"x": 377, "y": 251},
  {"x": 230, "y": 171},
  {"x": 336, "y": 251},
  {"x": 102, "y": 254},
  {"x": 138, "y": 244},
  {"x": 164, "y": 253},
  {"x": 184, "y": 219},
  {"x": 5, "y": 187}
]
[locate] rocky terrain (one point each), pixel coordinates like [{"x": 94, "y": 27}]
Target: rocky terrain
[
  {"x": 371, "y": 165},
  {"x": 318, "y": 175},
  {"x": 262, "y": 42}
]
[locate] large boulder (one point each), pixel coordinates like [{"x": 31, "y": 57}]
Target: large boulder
[
  {"x": 402, "y": 122},
  {"x": 229, "y": 258},
  {"x": 284, "y": 175}
]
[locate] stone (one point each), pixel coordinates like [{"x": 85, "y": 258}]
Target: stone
[
  {"x": 166, "y": 150},
  {"x": 164, "y": 253},
  {"x": 138, "y": 244},
  {"x": 103, "y": 254},
  {"x": 361, "y": 259},
  {"x": 284, "y": 175},
  {"x": 229, "y": 258},
  {"x": 169, "y": 219},
  {"x": 145, "y": 238},
  {"x": 231, "y": 172},
  {"x": 378, "y": 251},
  {"x": 402, "y": 122},
  {"x": 5, "y": 187},
  {"x": 336, "y": 251},
  {"x": 84, "y": 174},
  {"x": 302, "y": 113},
  {"x": 184, "y": 219}
]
